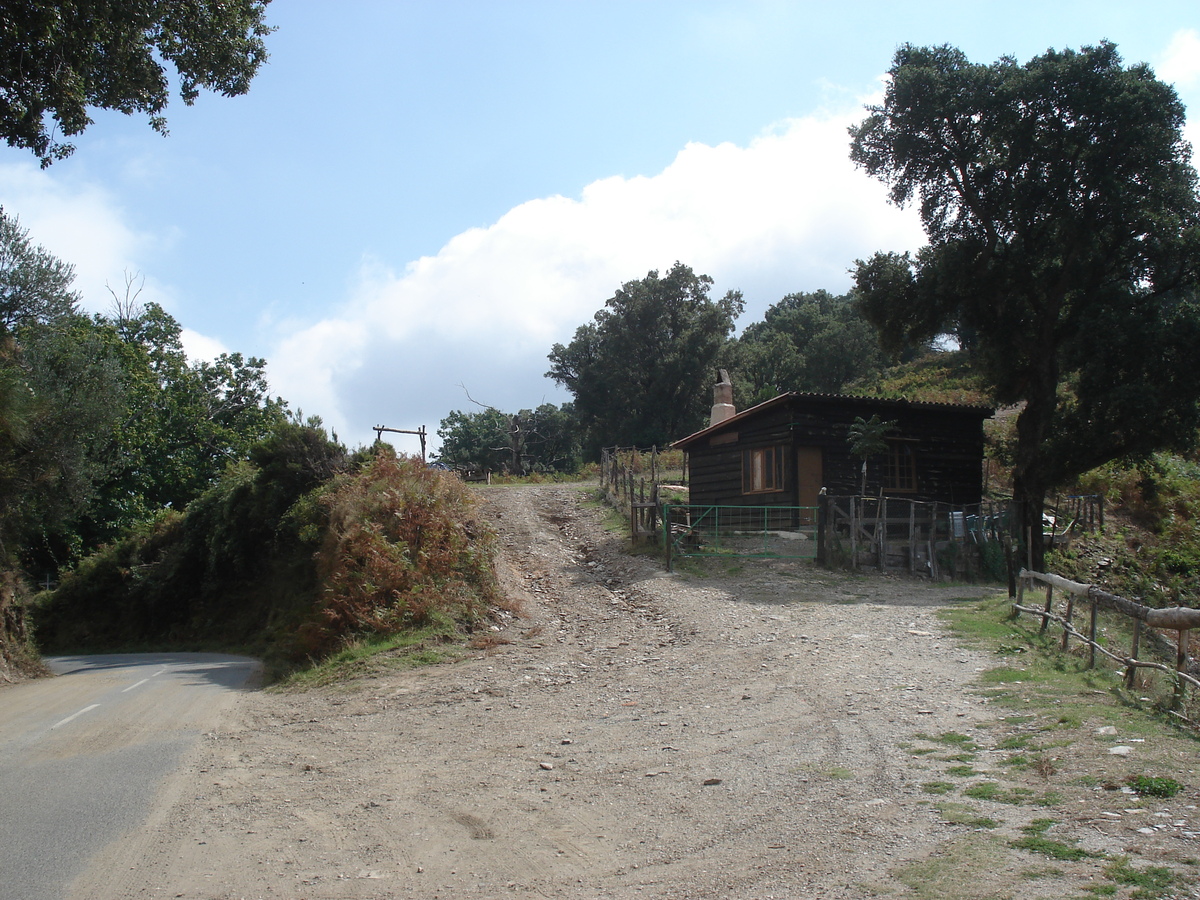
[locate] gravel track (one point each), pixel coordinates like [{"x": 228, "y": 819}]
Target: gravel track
[{"x": 629, "y": 734}]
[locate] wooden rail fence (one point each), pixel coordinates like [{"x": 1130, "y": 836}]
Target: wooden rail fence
[
  {"x": 631, "y": 479},
  {"x": 936, "y": 540},
  {"x": 1181, "y": 619}
]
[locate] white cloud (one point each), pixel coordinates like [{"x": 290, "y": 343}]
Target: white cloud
[
  {"x": 1180, "y": 63},
  {"x": 200, "y": 347},
  {"x": 82, "y": 224},
  {"x": 787, "y": 213}
]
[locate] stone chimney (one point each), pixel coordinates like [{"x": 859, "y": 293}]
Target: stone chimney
[{"x": 723, "y": 407}]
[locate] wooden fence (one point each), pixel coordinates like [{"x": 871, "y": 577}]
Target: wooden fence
[
  {"x": 631, "y": 480},
  {"x": 1180, "y": 619},
  {"x": 936, "y": 540},
  {"x": 941, "y": 540}
]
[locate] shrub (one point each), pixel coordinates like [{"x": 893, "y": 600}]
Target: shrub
[
  {"x": 1154, "y": 785},
  {"x": 402, "y": 549}
]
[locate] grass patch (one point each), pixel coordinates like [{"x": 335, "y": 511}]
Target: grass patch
[
  {"x": 1005, "y": 675},
  {"x": 961, "y": 814},
  {"x": 955, "y": 738},
  {"x": 1036, "y": 843},
  {"x": 1154, "y": 786},
  {"x": 840, "y": 773},
  {"x": 964, "y": 869},
  {"x": 1036, "y": 873},
  {"x": 937, "y": 787},
  {"x": 1150, "y": 882},
  {"x": 1039, "y": 826},
  {"x": 1016, "y": 796},
  {"x": 961, "y": 772},
  {"x": 985, "y": 790},
  {"x": 370, "y": 657}
]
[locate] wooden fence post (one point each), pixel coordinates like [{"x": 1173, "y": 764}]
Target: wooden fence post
[
  {"x": 853, "y": 534},
  {"x": 1067, "y": 620},
  {"x": 1092, "y": 636},
  {"x": 823, "y": 529},
  {"x": 1131, "y": 668},
  {"x": 881, "y": 532},
  {"x": 912, "y": 537},
  {"x": 1049, "y": 606},
  {"x": 668, "y": 538},
  {"x": 1181, "y": 659}
]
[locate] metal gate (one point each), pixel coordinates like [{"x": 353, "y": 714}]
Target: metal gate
[{"x": 772, "y": 532}]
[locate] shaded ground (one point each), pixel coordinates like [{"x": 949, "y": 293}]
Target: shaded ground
[{"x": 634, "y": 734}]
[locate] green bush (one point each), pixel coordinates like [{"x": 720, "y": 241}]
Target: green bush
[{"x": 291, "y": 555}]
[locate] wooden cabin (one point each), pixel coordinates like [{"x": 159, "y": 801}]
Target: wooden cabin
[{"x": 784, "y": 451}]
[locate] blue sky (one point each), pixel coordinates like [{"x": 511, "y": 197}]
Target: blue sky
[{"x": 417, "y": 197}]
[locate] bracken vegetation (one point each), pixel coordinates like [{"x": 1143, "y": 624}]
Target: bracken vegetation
[
  {"x": 401, "y": 550},
  {"x": 293, "y": 556}
]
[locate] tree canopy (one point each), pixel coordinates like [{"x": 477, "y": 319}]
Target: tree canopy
[
  {"x": 641, "y": 371},
  {"x": 533, "y": 440},
  {"x": 58, "y": 58},
  {"x": 103, "y": 420},
  {"x": 1064, "y": 247},
  {"x": 805, "y": 342}
]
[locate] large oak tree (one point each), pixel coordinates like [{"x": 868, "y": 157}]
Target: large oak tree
[
  {"x": 60, "y": 58},
  {"x": 1064, "y": 247},
  {"x": 642, "y": 370}
]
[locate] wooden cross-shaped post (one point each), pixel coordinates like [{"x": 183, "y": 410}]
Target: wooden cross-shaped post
[{"x": 420, "y": 432}]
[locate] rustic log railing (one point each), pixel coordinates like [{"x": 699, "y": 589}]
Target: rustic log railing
[
  {"x": 631, "y": 479},
  {"x": 1181, "y": 619}
]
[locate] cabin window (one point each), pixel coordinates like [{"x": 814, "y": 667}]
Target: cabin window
[
  {"x": 901, "y": 474},
  {"x": 762, "y": 470}
]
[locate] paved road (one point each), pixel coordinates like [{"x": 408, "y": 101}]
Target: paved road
[{"x": 83, "y": 755}]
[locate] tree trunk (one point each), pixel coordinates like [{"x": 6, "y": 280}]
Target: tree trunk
[{"x": 1029, "y": 471}]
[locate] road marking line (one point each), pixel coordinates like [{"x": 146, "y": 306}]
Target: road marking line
[
  {"x": 139, "y": 684},
  {"x": 74, "y": 715},
  {"x": 159, "y": 672}
]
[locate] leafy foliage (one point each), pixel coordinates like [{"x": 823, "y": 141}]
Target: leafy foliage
[
  {"x": 936, "y": 376},
  {"x": 61, "y": 58},
  {"x": 180, "y": 423},
  {"x": 239, "y": 557},
  {"x": 640, "y": 370},
  {"x": 805, "y": 342},
  {"x": 867, "y": 438},
  {"x": 1150, "y": 547},
  {"x": 60, "y": 392},
  {"x": 545, "y": 439},
  {"x": 18, "y": 658},
  {"x": 291, "y": 554},
  {"x": 1064, "y": 254},
  {"x": 1154, "y": 785}
]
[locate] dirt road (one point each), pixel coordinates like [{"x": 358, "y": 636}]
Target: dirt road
[{"x": 639, "y": 735}]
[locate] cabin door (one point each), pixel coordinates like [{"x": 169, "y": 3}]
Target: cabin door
[{"x": 809, "y": 476}]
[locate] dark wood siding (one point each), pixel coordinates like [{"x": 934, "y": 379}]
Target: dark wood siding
[{"x": 947, "y": 444}]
